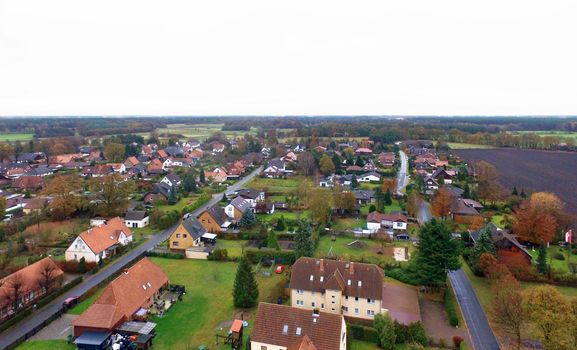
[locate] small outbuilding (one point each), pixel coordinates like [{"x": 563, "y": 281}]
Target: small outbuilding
[{"x": 93, "y": 341}]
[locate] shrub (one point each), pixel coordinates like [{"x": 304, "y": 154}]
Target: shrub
[
  {"x": 281, "y": 256},
  {"x": 559, "y": 256},
  {"x": 401, "y": 275},
  {"x": 219, "y": 254},
  {"x": 457, "y": 341}
]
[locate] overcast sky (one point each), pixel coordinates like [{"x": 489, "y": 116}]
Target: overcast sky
[{"x": 305, "y": 57}]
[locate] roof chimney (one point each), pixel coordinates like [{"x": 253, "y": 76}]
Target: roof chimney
[
  {"x": 322, "y": 267},
  {"x": 352, "y": 268}
]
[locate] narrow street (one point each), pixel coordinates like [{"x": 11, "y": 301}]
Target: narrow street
[
  {"x": 22, "y": 329},
  {"x": 403, "y": 176},
  {"x": 481, "y": 333}
]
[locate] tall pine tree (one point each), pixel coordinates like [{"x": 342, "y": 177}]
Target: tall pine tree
[
  {"x": 247, "y": 219},
  {"x": 245, "y": 291},
  {"x": 542, "y": 260},
  {"x": 172, "y": 196},
  {"x": 437, "y": 252},
  {"x": 304, "y": 241},
  {"x": 483, "y": 245}
]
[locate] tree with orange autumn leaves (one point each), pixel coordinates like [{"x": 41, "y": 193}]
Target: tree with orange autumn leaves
[
  {"x": 442, "y": 202},
  {"x": 537, "y": 219}
]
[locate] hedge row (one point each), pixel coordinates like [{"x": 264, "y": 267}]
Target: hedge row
[
  {"x": 169, "y": 255},
  {"x": 368, "y": 334},
  {"x": 255, "y": 255},
  {"x": 450, "y": 307}
]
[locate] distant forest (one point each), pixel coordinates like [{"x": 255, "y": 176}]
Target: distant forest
[{"x": 493, "y": 131}]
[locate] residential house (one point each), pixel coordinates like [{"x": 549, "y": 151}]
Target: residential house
[
  {"x": 172, "y": 180},
  {"x": 276, "y": 168},
  {"x": 237, "y": 207},
  {"x": 465, "y": 211},
  {"x": 370, "y": 176},
  {"x": 387, "y": 159},
  {"x": 187, "y": 234},
  {"x": 289, "y": 328},
  {"x": 264, "y": 208},
  {"x": 395, "y": 221},
  {"x": 29, "y": 183},
  {"x": 99, "y": 242},
  {"x": 363, "y": 151},
  {"x": 136, "y": 219},
  {"x": 31, "y": 157},
  {"x": 443, "y": 176},
  {"x": 290, "y": 157},
  {"x": 131, "y": 162},
  {"x": 32, "y": 283},
  {"x": 214, "y": 219},
  {"x": 352, "y": 289},
  {"x": 64, "y": 159},
  {"x": 252, "y": 196},
  {"x": 155, "y": 167},
  {"x": 218, "y": 175},
  {"x": 217, "y": 147},
  {"x": 40, "y": 170},
  {"x": 97, "y": 171},
  {"x": 134, "y": 290},
  {"x": 431, "y": 185},
  {"x": 507, "y": 246},
  {"x": 364, "y": 196},
  {"x": 159, "y": 191}
]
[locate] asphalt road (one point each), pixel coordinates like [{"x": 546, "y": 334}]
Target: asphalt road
[
  {"x": 424, "y": 212},
  {"x": 481, "y": 334},
  {"x": 402, "y": 176},
  {"x": 38, "y": 317}
]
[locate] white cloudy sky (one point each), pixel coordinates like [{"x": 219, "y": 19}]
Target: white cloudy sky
[{"x": 231, "y": 57}]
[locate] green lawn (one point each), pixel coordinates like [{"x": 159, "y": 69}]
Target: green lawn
[
  {"x": 183, "y": 202},
  {"x": 394, "y": 207},
  {"x": 561, "y": 265},
  {"x": 207, "y": 303},
  {"x": 497, "y": 220},
  {"x": 456, "y": 145},
  {"x": 344, "y": 224},
  {"x": 11, "y": 137},
  {"x": 341, "y": 249},
  {"x": 277, "y": 186},
  {"x": 85, "y": 304},
  {"x": 288, "y": 215},
  {"x": 46, "y": 345},
  {"x": 562, "y": 134},
  {"x": 233, "y": 247},
  {"x": 201, "y": 131}
]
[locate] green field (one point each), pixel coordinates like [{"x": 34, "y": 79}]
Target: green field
[
  {"x": 556, "y": 264},
  {"x": 11, "y": 137},
  {"x": 542, "y": 133},
  {"x": 183, "y": 202},
  {"x": 456, "y": 145}
]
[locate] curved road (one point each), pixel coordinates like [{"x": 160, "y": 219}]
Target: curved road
[
  {"x": 403, "y": 176},
  {"x": 11, "y": 335}
]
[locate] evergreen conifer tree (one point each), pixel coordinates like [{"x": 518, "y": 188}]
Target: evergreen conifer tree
[{"x": 245, "y": 291}]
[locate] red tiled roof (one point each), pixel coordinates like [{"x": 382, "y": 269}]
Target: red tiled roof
[
  {"x": 124, "y": 296},
  {"x": 105, "y": 236},
  {"x": 370, "y": 277},
  {"x": 323, "y": 331}
]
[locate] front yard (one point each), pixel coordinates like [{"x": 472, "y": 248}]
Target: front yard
[{"x": 207, "y": 303}]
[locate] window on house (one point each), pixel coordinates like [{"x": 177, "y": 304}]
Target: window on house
[
  {"x": 346, "y": 297},
  {"x": 299, "y": 331},
  {"x": 356, "y": 298},
  {"x": 312, "y": 277},
  {"x": 360, "y": 283},
  {"x": 348, "y": 282},
  {"x": 300, "y": 291},
  {"x": 356, "y": 311},
  {"x": 370, "y": 301},
  {"x": 285, "y": 329},
  {"x": 313, "y": 304},
  {"x": 322, "y": 306},
  {"x": 175, "y": 244},
  {"x": 345, "y": 309},
  {"x": 322, "y": 278},
  {"x": 370, "y": 313},
  {"x": 262, "y": 347},
  {"x": 184, "y": 236}
]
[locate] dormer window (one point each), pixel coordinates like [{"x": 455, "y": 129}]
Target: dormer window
[
  {"x": 360, "y": 284},
  {"x": 312, "y": 277},
  {"x": 348, "y": 282},
  {"x": 299, "y": 331},
  {"x": 143, "y": 287},
  {"x": 322, "y": 278},
  {"x": 285, "y": 329}
]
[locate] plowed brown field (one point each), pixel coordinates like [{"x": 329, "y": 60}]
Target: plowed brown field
[{"x": 532, "y": 170}]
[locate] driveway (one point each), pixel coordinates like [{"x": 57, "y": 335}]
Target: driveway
[
  {"x": 39, "y": 317},
  {"x": 482, "y": 336},
  {"x": 403, "y": 176}
]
